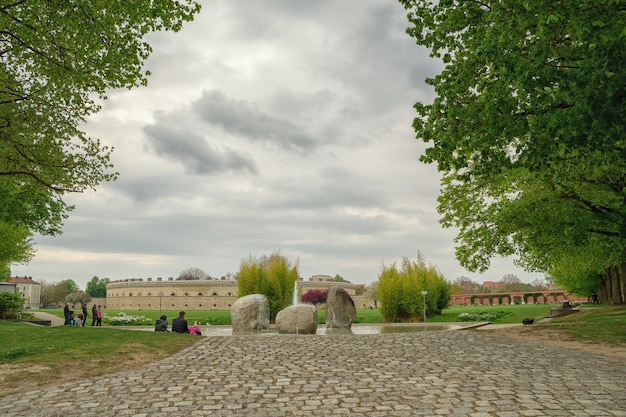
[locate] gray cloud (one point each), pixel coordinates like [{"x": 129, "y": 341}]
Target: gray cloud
[
  {"x": 193, "y": 151},
  {"x": 242, "y": 118}
]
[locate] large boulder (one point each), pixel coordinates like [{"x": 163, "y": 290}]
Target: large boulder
[
  {"x": 340, "y": 310},
  {"x": 298, "y": 319},
  {"x": 250, "y": 312}
]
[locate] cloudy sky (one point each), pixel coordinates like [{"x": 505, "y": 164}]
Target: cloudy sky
[{"x": 282, "y": 125}]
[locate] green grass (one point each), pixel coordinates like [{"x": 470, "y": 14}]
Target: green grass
[
  {"x": 43, "y": 354},
  {"x": 606, "y": 324},
  {"x": 505, "y": 314},
  {"x": 212, "y": 317}
]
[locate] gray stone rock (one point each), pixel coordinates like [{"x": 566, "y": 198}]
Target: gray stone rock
[
  {"x": 250, "y": 312},
  {"x": 340, "y": 310},
  {"x": 298, "y": 319}
]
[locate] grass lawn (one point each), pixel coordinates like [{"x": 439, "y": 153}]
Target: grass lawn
[
  {"x": 606, "y": 324},
  {"x": 212, "y": 317},
  {"x": 34, "y": 356},
  {"x": 499, "y": 314}
]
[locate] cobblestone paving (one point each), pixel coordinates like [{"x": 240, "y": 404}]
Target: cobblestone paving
[{"x": 446, "y": 373}]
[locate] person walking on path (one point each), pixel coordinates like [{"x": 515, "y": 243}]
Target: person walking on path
[
  {"x": 94, "y": 315},
  {"x": 84, "y": 314},
  {"x": 99, "y": 317},
  {"x": 179, "y": 325}
]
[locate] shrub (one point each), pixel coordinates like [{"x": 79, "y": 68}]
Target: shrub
[
  {"x": 10, "y": 305},
  {"x": 123, "y": 319},
  {"x": 484, "y": 316}
]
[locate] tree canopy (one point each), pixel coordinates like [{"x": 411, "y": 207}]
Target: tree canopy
[
  {"x": 528, "y": 130},
  {"x": 58, "y": 58},
  {"x": 97, "y": 288},
  {"x": 272, "y": 276},
  {"x": 400, "y": 290}
]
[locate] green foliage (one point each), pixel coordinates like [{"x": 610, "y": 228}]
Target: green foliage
[
  {"x": 58, "y": 59},
  {"x": 400, "y": 290},
  {"x": 493, "y": 316},
  {"x": 10, "y": 305},
  {"x": 123, "y": 319},
  {"x": 505, "y": 314},
  {"x": 528, "y": 131},
  {"x": 272, "y": 276},
  {"x": 97, "y": 288}
]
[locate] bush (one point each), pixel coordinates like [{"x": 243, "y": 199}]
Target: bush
[
  {"x": 11, "y": 305},
  {"x": 123, "y": 319},
  {"x": 484, "y": 316}
]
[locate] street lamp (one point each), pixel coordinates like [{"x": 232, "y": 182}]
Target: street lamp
[
  {"x": 424, "y": 297},
  {"x": 160, "y": 301}
]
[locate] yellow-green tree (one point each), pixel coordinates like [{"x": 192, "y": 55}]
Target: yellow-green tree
[
  {"x": 400, "y": 290},
  {"x": 272, "y": 276}
]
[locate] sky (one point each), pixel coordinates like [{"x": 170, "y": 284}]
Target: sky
[{"x": 275, "y": 126}]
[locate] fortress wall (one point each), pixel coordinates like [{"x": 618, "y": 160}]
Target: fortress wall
[{"x": 137, "y": 294}]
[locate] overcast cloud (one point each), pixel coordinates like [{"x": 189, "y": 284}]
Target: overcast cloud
[{"x": 275, "y": 125}]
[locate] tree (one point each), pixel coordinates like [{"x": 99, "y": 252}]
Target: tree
[
  {"x": 58, "y": 59},
  {"x": 97, "y": 288},
  {"x": 338, "y": 278},
  {"x": 527, "y": 129},
  {"x": 272, "y": 276},
  {"x": 63, "y": 289},
  {"x": 400, "y": 290},
  {"x": 192, "y": 274},
  {"x": 314, "y": 297},
  {"x": 78, "y": 298},
  {"x": 10, "y": 305},
  {"x": 511, "y": 283},
  {"x": 464, "y": 285}
]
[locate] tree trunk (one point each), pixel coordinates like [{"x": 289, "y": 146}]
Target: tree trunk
[{"x": 604, "y": 291}]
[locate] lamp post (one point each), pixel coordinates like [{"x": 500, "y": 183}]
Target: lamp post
[
  {"x": 424, "y": 297},
  {"x": 160, "y": 302}
]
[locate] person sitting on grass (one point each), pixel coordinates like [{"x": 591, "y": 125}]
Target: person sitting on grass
[
  {"x": 79, "y": 321},
  {"x": 161, "y": 324},
  {"x": 70, "y": 320},
  {"x": 195, "y": 329},
  {"x": 179, "y": 324}
]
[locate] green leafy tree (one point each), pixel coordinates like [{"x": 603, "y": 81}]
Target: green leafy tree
[
  {"x": 63, "y": 289},
  {"x": 59, "y": 57},
  {"x": 527, "y": 129},
  {"x": 10, "y": 305},
  {"x": 97, "y": 288},
  {"x": 272, "y": 276},
  {"x": 338, "y": 278},
  {"x": 400, "y": 290}
]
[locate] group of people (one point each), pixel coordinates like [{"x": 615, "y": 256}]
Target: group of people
[
  {"x": 71, "y": 319},
  {"x": 179, "y": 325}
]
